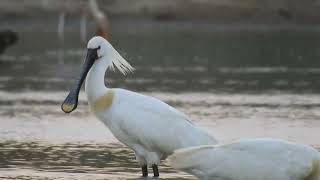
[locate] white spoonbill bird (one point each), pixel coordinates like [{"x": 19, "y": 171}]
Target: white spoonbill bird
[
  {"x": 150, "y": 127},
  {"x": 251, "y": 159}
]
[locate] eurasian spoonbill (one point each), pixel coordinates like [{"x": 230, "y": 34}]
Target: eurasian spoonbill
[
  {"x": 87, "y": 7},
  {"x": 252, "y": 159},
  {"x": 150, "y": 127}
]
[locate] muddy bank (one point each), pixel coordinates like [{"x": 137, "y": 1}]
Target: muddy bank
[{"x": 216, "y": 10}]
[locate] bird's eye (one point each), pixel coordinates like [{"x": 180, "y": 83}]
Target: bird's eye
[{"x": 99, "y": 47}]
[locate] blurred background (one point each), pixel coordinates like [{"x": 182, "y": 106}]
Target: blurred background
[{"x": 237, "y": 68}]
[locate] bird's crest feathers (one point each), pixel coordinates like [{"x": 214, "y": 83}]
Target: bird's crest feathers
[{"x": 120, "y": 63}]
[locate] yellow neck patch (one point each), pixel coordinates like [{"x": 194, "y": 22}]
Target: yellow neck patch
[{"x": 104, "y": 102}]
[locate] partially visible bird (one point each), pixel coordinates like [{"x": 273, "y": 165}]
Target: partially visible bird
[
  {"x": 101, "y": 19},
  {"x": 87, "y": 8},
  {"x": 251, "y": 159},
  {"x": 150, "y": 127},
  {"x": 7, "y": 38}
]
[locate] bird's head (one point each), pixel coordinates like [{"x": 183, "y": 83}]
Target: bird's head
[
  {"x": 99, "y": 46},
  {"x": 98, "y": 49}
]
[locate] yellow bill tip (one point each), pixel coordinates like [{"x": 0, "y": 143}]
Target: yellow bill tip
[{"x": 67, "y": 108}]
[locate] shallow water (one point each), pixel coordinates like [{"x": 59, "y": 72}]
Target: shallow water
[
  {"x": 172, "y": 56},
  {"x": 235, "y": 81},
  {"x": 38, "y": 140},
  {"x": 76, "y": 161}
]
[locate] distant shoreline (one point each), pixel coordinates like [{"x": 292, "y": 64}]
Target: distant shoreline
[{"x": 216, "y": 11}]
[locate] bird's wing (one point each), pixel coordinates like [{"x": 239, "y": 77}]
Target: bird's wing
[{"x": 158, "y": 126}]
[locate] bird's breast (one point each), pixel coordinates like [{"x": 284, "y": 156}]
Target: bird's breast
[{"x": 103, "y": 103}]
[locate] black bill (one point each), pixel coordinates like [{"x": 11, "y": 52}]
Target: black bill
[{"x": 71, "y": 101}]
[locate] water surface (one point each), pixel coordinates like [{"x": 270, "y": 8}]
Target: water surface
[
  {"x": 173, "y": 56},
  {"x": 235, "y": 81}
]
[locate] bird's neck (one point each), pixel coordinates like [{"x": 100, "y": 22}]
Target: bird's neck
[{"x": 95, "y": 86}]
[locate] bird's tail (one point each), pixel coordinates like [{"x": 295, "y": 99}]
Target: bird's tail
[{"x": 189, "y": 158}]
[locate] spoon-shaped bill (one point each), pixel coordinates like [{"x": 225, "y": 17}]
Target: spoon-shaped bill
[{"x": 71, "y": 101}]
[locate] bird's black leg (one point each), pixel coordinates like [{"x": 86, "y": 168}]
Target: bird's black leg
[
  {"x": 144, "y": 169},
  {"x": 155, "y": 170}
]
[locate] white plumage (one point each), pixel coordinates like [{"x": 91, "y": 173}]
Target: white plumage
[
  {"x": 252, "y": 159},
  {"x": 150, "y": 127}
]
